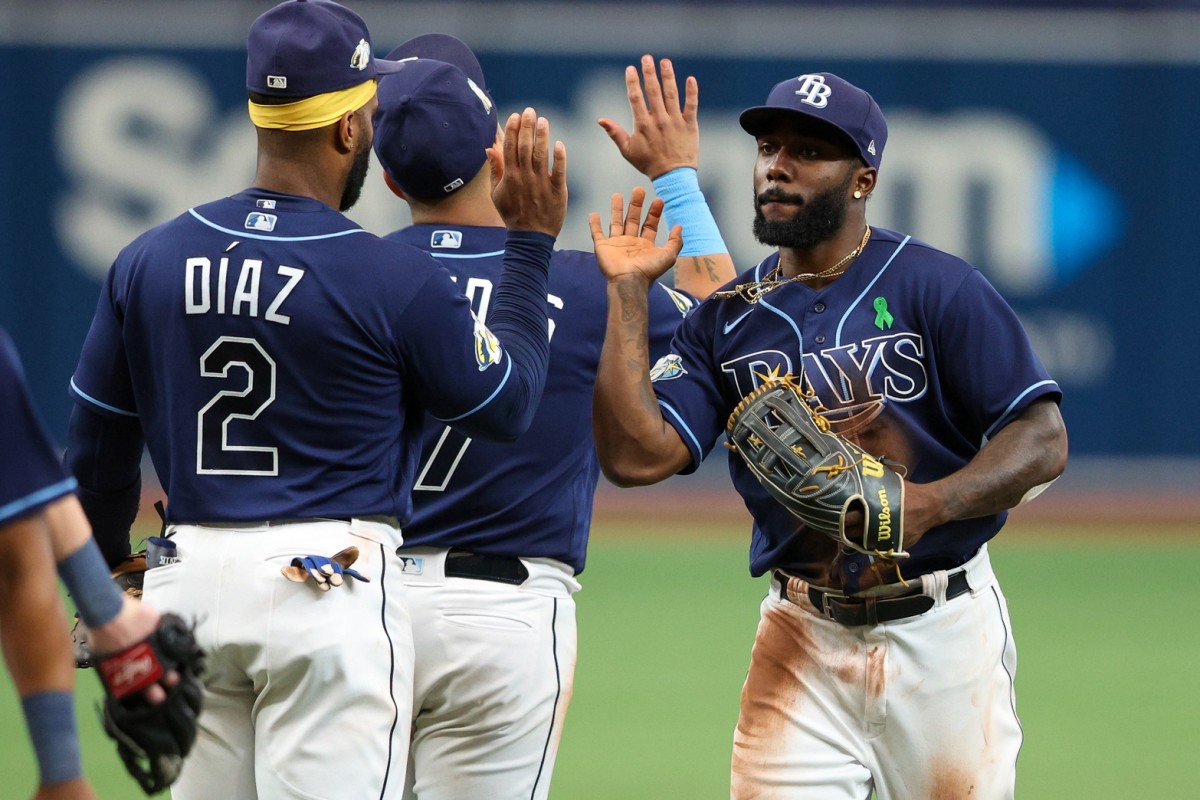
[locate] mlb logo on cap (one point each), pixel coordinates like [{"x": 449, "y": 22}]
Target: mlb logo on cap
[{"x": 830, "y": 99}]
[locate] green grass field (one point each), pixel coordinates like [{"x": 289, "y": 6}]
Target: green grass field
[{"x": 1106, "y": 635}]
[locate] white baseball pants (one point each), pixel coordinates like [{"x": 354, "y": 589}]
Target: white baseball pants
[
  {"x": 308, "y": 693},
  {"x": 921, "y": 707},
  {"x": 495, "y": 667}
]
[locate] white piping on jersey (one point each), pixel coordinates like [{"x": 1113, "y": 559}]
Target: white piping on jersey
[
  {"x": 1004, "y": 417},
  {"x": 837, "y": 339},
  {"x": 466, "y": 255},
  {"x": 37, "y": 498},
  {"x": 248, "y": 235},
  {"x": 105, "y": 406},
  {"x": 490, "y": 398},
  {"x": 686, "y": 429}
]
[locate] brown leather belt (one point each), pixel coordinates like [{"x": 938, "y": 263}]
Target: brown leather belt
[{"x": 873, "y": 610}]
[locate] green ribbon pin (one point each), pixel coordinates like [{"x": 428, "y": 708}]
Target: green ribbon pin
[{"x": 882, "y": 317}]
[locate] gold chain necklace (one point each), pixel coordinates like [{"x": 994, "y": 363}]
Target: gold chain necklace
[{"x": 751, "y": 292}]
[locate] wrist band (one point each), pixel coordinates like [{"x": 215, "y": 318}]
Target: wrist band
[
  {"x": 91, "y": 586},
  {"x": 684, "y": 205},
  {"x": 50, "y": 717}
]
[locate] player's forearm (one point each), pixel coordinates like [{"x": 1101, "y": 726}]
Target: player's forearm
[
  {"x": 1026, "y": 453},
  {"x": 518, "y": 319},
  {"x": 704, "y": 265},
  {"x": 700, "y": 276},
  {"x": 104, "y": 454},
  {"x": 33, "y": 621},
  {"x": 635, "y": 445}
]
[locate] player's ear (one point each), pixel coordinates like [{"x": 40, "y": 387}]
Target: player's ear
[
  {"x": 864, "y": 182},
  {"x": 391, "y": 184},
  {"x": 346, "y": 132}
]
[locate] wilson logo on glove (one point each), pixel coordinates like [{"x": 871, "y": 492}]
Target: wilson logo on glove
[{"x": 815, "y": 473}]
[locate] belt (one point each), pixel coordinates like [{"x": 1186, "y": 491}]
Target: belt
[
  {"x": 483, "y": 567},
  {"x": 873, "y": 610}
]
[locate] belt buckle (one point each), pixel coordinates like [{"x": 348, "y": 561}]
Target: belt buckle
[{"x": 824, "y": 608}]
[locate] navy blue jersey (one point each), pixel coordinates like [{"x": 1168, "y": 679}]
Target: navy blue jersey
[
  {"x": 911, "y": 351},
  {"x": 280, "y": 359},
  {"x": 533, "y": 497},
  {"x": 31, "y": 475}
]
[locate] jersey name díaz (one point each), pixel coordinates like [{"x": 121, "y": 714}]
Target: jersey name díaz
[{"x": 235, "y": 289}]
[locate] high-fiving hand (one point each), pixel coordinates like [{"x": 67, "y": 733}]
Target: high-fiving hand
[
  {"x": 629, "y": 248},
  {"x": 528, "y": 193},
  {"x": 665, "y": 136}
]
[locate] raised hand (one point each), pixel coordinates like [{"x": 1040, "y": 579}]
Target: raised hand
[
  {"x": 629, "y": 248},
  {"x": 665, "y": 137},
  {"x": 528, "y": 193}
]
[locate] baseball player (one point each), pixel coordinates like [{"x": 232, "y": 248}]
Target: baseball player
[
  {"x": 41, "y": 525},
  {"x": 865, "y": 675},
  {"x": 499, "y": 531},
  {"x": 278, "y": 362}
]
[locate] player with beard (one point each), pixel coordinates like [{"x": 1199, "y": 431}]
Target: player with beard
[
  {"x": 868, "y": 675},
  {"x": 278, "y": 362}
]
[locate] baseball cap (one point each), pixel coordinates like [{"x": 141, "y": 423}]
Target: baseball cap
[
  {"x": 432, "y": 127},
  {"x": 304, "y": 48},
  {"x": 826, "y": 97},
  {"x": 442, "y": 47}
]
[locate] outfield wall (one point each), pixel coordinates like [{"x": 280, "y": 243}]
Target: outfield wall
[{"x": 1051, "y": 147}]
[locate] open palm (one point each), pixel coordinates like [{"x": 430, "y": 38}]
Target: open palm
[{"x": 629, "y": 248}]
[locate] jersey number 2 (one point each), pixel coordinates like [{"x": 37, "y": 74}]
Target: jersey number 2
[{"x": 215, "y": 454}]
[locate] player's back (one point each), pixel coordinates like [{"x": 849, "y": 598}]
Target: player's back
[
  {"x": 533, "y": 497},
  {"x": 270, "y": 359}
]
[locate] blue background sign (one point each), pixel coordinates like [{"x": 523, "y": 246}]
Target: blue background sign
[{"x": 1054, "y": 151}]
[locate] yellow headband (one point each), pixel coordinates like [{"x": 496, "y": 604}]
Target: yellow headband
[{"x": 312, "y": 112}]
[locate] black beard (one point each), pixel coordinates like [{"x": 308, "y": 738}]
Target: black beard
[
  {"x": 816, "y": 221},
  {"x": 356, "y": 179}
]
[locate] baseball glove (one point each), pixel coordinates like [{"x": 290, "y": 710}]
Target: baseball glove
[
  {"x": 128, "y": 575},
  {"x": 152, "y": 740},
  {"x": 816, "y": 474}
]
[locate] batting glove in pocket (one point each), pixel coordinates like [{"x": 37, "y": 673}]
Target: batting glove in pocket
[{"x": 324, "y": 572}]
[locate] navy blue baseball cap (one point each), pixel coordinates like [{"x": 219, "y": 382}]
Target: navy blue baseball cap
[
  {"x": 442, "y": 47},
  {"x": 305, "y": 48},
  {"x": 433, "y": 127},
  {"x": 826, "y": 97}
]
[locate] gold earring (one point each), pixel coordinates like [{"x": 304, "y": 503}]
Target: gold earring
[{"x": 857, "y": 194}]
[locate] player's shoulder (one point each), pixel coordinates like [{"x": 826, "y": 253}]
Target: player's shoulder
[{"x": 895, "y": 247}]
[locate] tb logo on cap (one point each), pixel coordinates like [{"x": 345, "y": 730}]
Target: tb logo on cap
[{"x": 814, "y": 91}]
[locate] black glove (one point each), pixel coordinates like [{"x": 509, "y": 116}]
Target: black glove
[{"x": 152, "y": 740}]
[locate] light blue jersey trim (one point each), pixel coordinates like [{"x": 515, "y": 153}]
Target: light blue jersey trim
[
  {"x": 1000, "y": 423},
  {"x": 695, "y": 442},
  {"x": 40, "y": 497},
  {"x": 492, "y": 254},
  {"x": 837, "y": 339},
  {"x": 790, "y": 321},
  {"x": 490, "y": 398},
  {"x": 248, "y": 235},
  {"x": 96, "y": 402}
]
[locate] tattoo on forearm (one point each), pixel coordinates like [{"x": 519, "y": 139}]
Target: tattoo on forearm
[
  {"x": 633, "y": 303},
  {"x": 702, "y": 264}
]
